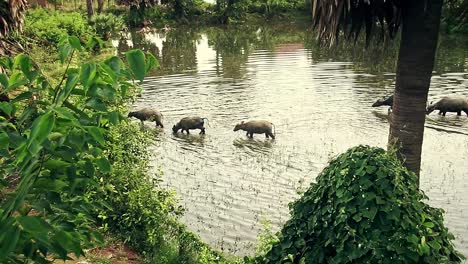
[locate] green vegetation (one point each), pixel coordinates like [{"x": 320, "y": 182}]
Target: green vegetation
[
  {"x": 365, "y": 208},
  {"x": 70, "y": 171},
  {"x": 455, "y": 16},
  {"x": 49, "y": 27},
  {"x": 107, "y": 25}
]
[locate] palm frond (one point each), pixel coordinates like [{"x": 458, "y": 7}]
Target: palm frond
[
  {"x": 11, "y": 18},
  {"x": 330, "y": 17}
]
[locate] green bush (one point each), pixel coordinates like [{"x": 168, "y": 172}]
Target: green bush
[
  {"x": 106, "y": 25},
  {"x": 138, "y": 210},
  {"x": 56, "y": 148},
  {"x": 365, "y": 208},
  {"x": 49, "y": 27}
]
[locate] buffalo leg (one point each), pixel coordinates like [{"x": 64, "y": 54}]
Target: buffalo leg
[
  {"x": 443, "y": 113},
  {"x": 202, "y": 131},
  {"x": 459, "y": 113},
  {"x": 159, "y": 124},
  {"x": 270, "y": 134},
  {"x": 440, "y": 112},
  {"x": 247, "y": 133},
  {"x": 187, "y": 131},
  {"x": 251, "y": 134},
  {"x": 266, "y": 135}
]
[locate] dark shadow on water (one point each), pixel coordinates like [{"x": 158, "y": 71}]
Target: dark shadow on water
[
  {"x": 384, "y": 117},
  {"x": 192, "y": 138},
  {"x": 449, "y": 124},
  {"x": 258, "y": 145}
]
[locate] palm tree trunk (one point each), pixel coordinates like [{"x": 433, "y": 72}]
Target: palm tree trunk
[
  {"x": 421, "y": 20},
  {"x": 90, "y": 8}
]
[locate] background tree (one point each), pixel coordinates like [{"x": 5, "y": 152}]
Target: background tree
[
  {"x": 137, "y": 9},
  {"x": 90, "y": 8},
  {"x": 11, "y": 18},
  {"x": 420, "y": 21}
]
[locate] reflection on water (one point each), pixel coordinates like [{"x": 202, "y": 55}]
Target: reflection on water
[{"x": 320, "y": 101}]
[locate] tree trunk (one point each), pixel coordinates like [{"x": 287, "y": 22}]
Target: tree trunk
[
  {"x": 100, "y": 4},
  {"x": 421, "y": 20},
  {"x": 90, "y": 8},
  {"x": 228, "y": 12}
]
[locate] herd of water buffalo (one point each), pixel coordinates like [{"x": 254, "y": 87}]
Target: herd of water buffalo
[
  {"x": 195, "y": 122},
  {"x": 447, "y": 104}
]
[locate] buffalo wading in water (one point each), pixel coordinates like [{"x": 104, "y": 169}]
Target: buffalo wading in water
[
  {"x": 449, "y": 104},
  {"x": 256, "y": 127},
  {"x": 148, "y": 114},
  {"x": 384, "y": 101},
  {"x": 188, "y": 123}
]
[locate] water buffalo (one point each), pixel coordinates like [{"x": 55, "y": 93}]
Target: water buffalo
[
  {"x": 148, "y": 114},
  {"x": 256, "y": 127},
  {"x": 384, "y": 101},
  {"x": 187, "y": 123},
  {"x": 449, "y": 104}
]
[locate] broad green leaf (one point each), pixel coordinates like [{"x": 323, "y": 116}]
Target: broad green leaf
[
  {"x": 115, "y": 63},
  {"x": 50, "y": 185},
  {"x": 3, "y": 80},
  {"x": 33, "y": 224},
  {"x": 428, "y": 224},
  {"x": 114, "y": 117},
  {"x": 106, "y": 92},
  {"x": 69, "y": 241},
  {"x": 6, "y": 108},
  {"x": 136, "y": 62},
  {"x": 16, "y": 80},
  {"x": 88, "y": 73},
  {"x": 96, "y": 133},
  {"x": 151, "y": 63},
  {"x": 93, "y": 42},
  {"x": 65, "y": 50},
  {"x": 22, "y": 96},
  {"x": 25, "y": 63},
  {"x": 6, "y": 62},
  {"x": 434, "y": 244},
  {"x": 4, "y": 140},
  {"x": 103, "y": 164},
  {"x": 41, "y": 127},
  {"x": 74, "y": 42},
  {"x": 9, "y": 241},
  {"x": 96, "y": 104},
  {"x": 56, "y": 164},
  {"x": 72, "y": 80}
]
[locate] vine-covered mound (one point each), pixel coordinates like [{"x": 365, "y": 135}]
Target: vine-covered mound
[{"x": 365, "y": 208}]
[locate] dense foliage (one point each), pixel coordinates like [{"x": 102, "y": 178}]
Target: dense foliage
[
  {"x": 140, "y": 212},
  {"x": 107, "y": 25},
  {"x": 70, "y": 170},
  {"x": 49, "y": 27},
  {"x": 365, "y": 208},
  {"x": 455, "y": 16},
  {"x": 53, "y": 151}
]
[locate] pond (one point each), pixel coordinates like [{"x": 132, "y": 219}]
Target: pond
[{"x": 320, "y": 102}]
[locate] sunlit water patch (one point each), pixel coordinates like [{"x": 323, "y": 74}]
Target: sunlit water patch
[{"x": 320, "y": 102}]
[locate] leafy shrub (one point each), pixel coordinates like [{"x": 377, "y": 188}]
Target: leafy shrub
[
  {"x": 365, "y": 208},
  {"x": 49, "y": 27},
  {"x": 107, "y": 24},
  {"x": 56, "y": 149},
  {"x": 139, "y": 211}
]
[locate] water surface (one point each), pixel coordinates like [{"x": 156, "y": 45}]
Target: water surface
[{"x": 320, "y": 102}]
